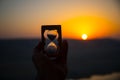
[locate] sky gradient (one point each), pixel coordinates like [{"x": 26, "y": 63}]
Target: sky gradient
[{"x": 96, "y": 18}]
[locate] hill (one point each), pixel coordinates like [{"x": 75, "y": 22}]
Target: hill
[{"x": 85, "y": 58}]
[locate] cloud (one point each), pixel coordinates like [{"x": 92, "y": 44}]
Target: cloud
[{"x": 113, "y": 76}]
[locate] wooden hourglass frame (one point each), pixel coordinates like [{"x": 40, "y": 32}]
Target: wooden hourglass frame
[{"x": 59, "y": 39}]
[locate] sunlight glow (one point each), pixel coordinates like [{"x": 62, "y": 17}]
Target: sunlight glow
[
  {"x": 84, "y": 37},
  {"x": 94, "y": 27}
]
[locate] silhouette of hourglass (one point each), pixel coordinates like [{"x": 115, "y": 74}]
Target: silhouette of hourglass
[{"x": 51, "y": 37}]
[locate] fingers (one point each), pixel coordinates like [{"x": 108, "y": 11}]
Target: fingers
[
  {"x": 62, "y": 58},
  {"x": 38, "y": 58},
  {"x": 64, "y": 51},
  {"x": 65, "y": 47}
]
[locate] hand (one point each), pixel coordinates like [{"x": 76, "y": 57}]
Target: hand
[{"x": 48, "y": 69}]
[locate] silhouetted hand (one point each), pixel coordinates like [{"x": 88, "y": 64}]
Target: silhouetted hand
[{"x": 48, "y": 69}]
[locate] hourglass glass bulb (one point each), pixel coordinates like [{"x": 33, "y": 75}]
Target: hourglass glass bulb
[
  {"x": 51, "y": 48},
  {"x": 52, "y": 34}
]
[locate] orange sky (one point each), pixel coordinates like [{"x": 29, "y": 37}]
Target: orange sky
[
  {"x": 94, "y": 27},
  {"x": 96, "y": 18}
]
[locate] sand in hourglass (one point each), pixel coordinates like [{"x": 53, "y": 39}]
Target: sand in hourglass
[{"x": 51, "y": 36}]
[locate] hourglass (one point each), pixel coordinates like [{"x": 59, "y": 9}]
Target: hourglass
[{"x": 51, "y": 38}]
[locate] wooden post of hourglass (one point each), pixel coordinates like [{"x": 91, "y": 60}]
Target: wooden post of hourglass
[{"x": 52, "y": 27}]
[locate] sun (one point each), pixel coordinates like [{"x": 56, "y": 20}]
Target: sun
[{"x": 84, "y": 36}]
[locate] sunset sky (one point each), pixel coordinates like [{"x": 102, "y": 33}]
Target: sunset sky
[{"x": 96, "y": 18}]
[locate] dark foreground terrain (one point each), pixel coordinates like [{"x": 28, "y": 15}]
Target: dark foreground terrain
[{"x": 85, "y": 58}]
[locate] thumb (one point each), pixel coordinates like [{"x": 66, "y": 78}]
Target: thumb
[{"x": 39, "y": 47}]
